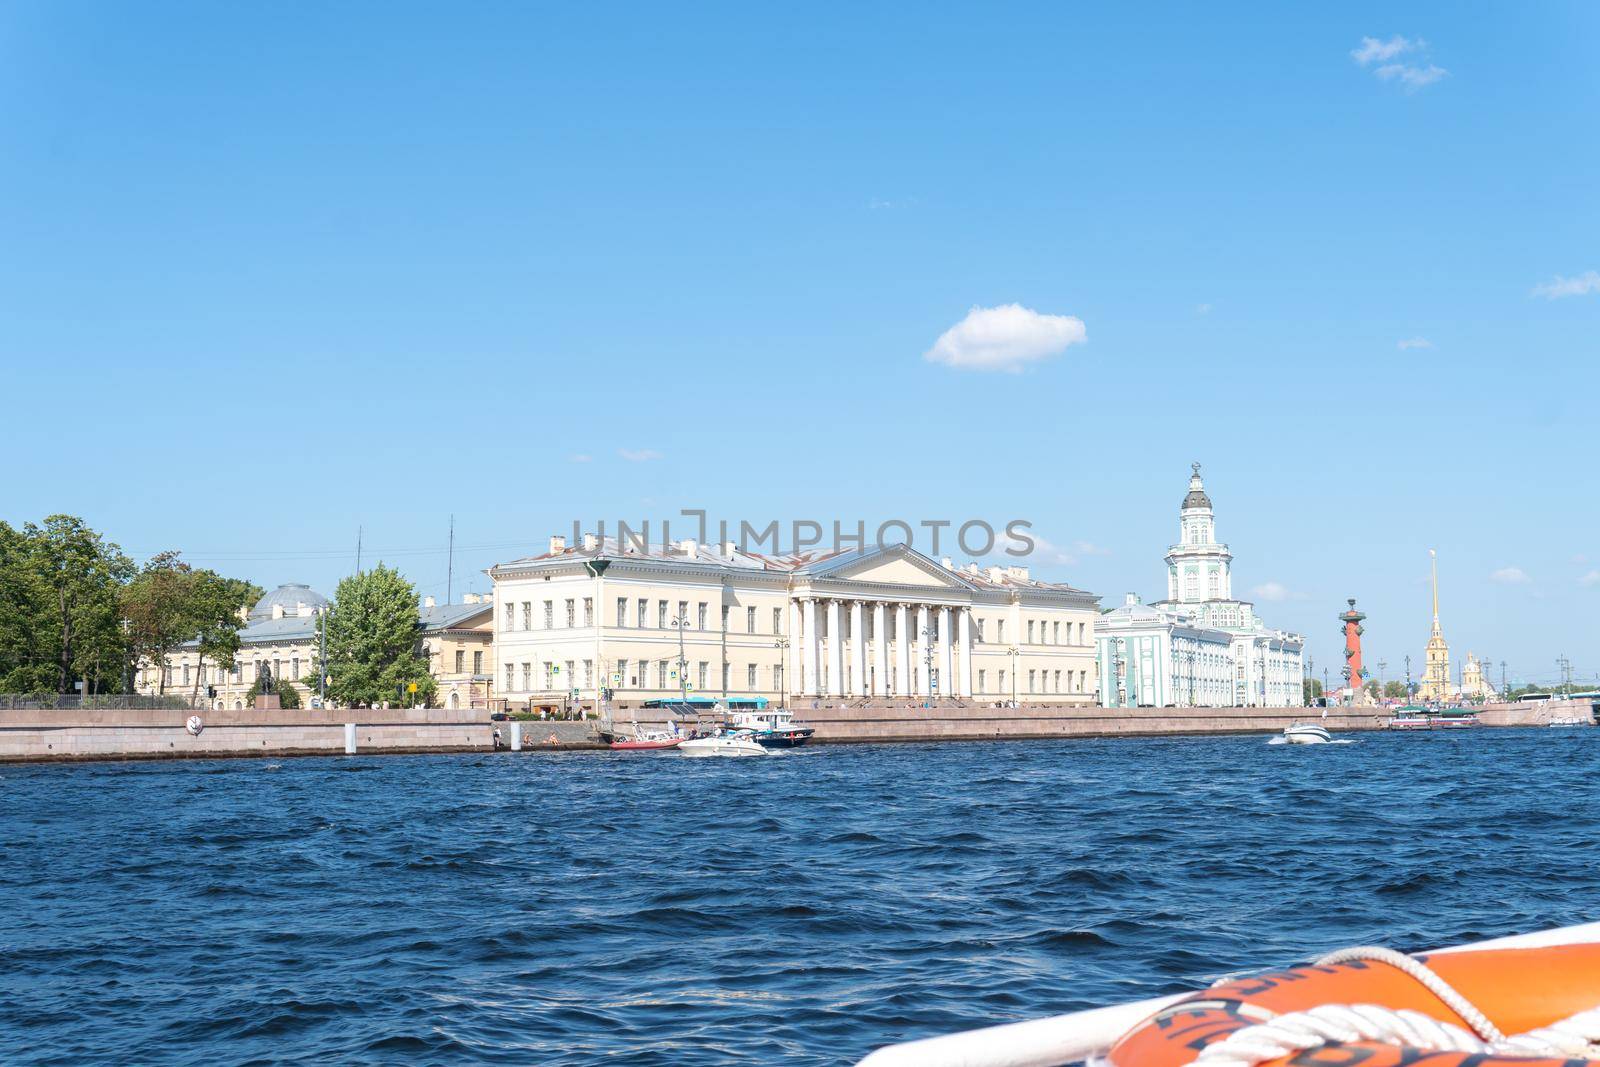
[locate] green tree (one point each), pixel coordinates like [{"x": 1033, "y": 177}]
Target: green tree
[
  {"x": 169, "y": 604},
  {"x": 1394, "y": 690},
  {"x": 372, "y": 640},
  {"x": 1313, "y": 690},
  {"x": 59, "y": 618}
]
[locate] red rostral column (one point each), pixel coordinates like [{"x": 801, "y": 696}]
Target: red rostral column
[{"x": 1353, "y": 630}]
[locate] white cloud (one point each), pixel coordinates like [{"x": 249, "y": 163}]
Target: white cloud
[
  {"x": 639, "y": 455},
  {"x": 1373, "y": 50},
  {"x": 580, "y": 457},
  {"x": 1413, "y": 75},
  {"x": 1271, "y": 591},
  {"x": 1006, "y": 338},
  {"x": 1510, "y": 576},
  {"x": 1202, "y": 309},
  {"x": 1409, "y": 76},
  {"x": 1047, "y": 552},
  {"x": 1592, "y": 578},
  {"x": 1089, "y": 548},
  {"x": 1414, "y": 342},
  {"x": 1582, "y": 285}
]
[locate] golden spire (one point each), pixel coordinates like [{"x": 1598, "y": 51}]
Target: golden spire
[{"x": 1434, "y": 557}]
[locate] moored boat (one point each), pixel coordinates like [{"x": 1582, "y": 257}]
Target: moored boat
[
  {"x": 773, "y": 727},
  {"x": 1455, "y": 719},
  {"x": 1410, "y": 717}
]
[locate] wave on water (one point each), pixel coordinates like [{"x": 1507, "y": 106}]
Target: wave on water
[{"x": 595, "y": 910}]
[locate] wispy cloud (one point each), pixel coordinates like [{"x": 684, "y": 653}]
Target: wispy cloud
[
  {"x": 639, "y": 455},
  {"x": 580, "y": 457},
  {"x": 1510, "y": 576},
  {"x": 1271, "y": 591},
  {"x": 1580, "y": 285},
  {"x": 1202, "y": 309},
  {"x": 1373, "y": 50},
  {"x": 1045, "y": 551},
  {"x": 1414, "y": 72},
  {"x": 1089, "y": 548},
  {"x": 1592, "y": 578},
  {"x": 1007, "y": 338},
  {"x": 1414, "y": 342}
]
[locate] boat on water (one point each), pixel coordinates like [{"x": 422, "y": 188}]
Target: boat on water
[
  {"x": 1452, "y": 1007},
  {"x": 773, "y": 727},
  {"x": 1455, "y": 719},
  {"x": 645, "y": 742},
  {"x": 1306, "y": 733},
  {"x": 738, "y": 743},
  {"x": 1569, "y": 722},
  {"x": 1410, "y": 717}
]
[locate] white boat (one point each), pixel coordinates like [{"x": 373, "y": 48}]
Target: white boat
[
  {"x": 1306, "y": 733},
  {"x": 1568, "y": 722},
  {"x": 773, "y": 727},
  {"x": 735, "y": 744}
]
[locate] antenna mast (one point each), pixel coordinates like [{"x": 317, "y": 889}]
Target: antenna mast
[{"x": 450, "y": 576}]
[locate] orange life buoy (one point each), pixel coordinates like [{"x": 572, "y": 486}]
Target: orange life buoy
[{"x": 1518, "y": 989}]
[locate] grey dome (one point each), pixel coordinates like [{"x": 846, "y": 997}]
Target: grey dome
[
  {"x": 289, "y": 597},
  {"x": 1197, "y": 491}
]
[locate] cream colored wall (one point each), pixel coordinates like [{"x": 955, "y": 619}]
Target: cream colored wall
[{"x": 631, "y": 642}]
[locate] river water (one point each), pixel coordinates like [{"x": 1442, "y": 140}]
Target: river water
[{"x": 650, "y": 909}]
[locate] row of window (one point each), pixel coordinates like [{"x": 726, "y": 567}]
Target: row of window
[
  {"x": 461, "y": 661},
  {"x": 216, "y": 674},
  {"x": 629, "y": 674}
]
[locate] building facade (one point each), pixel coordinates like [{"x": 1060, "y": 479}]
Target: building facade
[
  {"x": 280, "y": 631},
  {"x": 659, "y": 621},
  {"x": 1199, "y": 647}
]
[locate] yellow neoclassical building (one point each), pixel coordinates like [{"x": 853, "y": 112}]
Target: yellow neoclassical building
[{"x": 656, "y": 621}]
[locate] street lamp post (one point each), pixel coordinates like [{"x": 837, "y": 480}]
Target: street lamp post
[
  {"x": 1408, "y": 680},
  {"x": 782, "y": 645},
  {"x": 928, "y": 635},
  {"x": 679, "y": 624},
  {"x": 1014, "y": 652}
]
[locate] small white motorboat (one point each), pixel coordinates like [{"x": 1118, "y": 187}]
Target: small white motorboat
[
  {"x": 1306, "y": 733},
  {"x": 735, "y": 744}
]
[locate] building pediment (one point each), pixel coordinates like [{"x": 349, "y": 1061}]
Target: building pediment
[{"x": 889, "y": 565}]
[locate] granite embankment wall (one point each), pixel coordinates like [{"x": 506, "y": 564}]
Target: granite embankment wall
[
  {"x": 154, "y": 734},
  {"x": 151, "y": 734}
]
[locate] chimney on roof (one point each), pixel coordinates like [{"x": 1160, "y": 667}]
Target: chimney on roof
[
  {"x": 277, "y": 611},
  {"x": 427, "y": 602},
  {"x": 302, "y": 610},
  {"x": 469, "y": 598},
  {"x": 591, "y": 543},
  {"x": 688, "y": 546},
  {"x": 948, "y": 564},
  {"x": 1019, "y": 573},
  {"x": 557, "y": 544},
  {"x": 996, "y": 574},
  {"x": 728, "y": 549},
  {"x": 1132, "y": 599},
  {"x": 972, "y": 568}
]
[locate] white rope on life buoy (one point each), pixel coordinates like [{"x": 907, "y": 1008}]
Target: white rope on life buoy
[{"x": 194, "y": 725}]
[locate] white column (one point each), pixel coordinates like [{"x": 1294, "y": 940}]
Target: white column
[
  {"x": 902, "y": 644},
  {"x": 947, "y": 667},
  {"x": 880, "y": 650},
  {"x": 810, "y": 662},
  {"x": 965, "y": 634},
  {"x": 922, "y": 652},
  {"x": 835, "y": 651},
  {"x": 791, "y": 655},
  {"x": 858, "y": 651}
]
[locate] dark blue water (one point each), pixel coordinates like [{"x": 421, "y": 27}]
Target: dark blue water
[{"x": 651, "y": 909}]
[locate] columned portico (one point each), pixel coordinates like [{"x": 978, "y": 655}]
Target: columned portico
[
  {"x": 902, "y": 645},
  {"x": 880, "y": 651},
  {"x": 965, "y": 637},
  {"x": 835, "y": 651},
  {"x": 947, "y": 670},
  {"x": 858, "y": 651},
  {"x": 923, "y": 660},
  {"x": 813, "y": 646}
]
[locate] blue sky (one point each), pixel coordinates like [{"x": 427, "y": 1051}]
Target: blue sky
[{"x": 392, "y": 262}]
